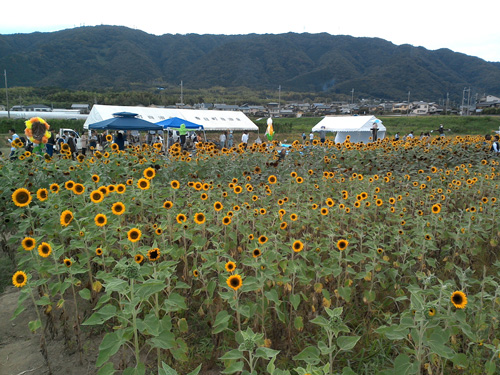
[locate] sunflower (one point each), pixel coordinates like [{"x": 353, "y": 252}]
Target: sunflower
[
  {"x": 138, "y": 258},
  {"x": 283, "y": 225},
  {"x": 262, "y": 239},
  {"x": 121, "y": 188},
  {"x": 96, "y": 196},
  {"x": 118, "y": 208},
  {"x": 181, "y": 218},
  {"x": 69, "y": 185},
  {"x": 44, "y": 249},
  {"x": 158, "y": 231},
  {"x": 226, "y": 220},
  {"x": 436, "y": 208},
  {"x": 431, "y": 311},
  {"x": 196, "y": 273},
  {"x": 98, "y": 251},
  {"x": 256, "y": 253},
  {"x": 95, "y": 178},
  {"x": 143, "y": 184},
  {"x": 109, "y": 137},
  {"x": 459, "y": 299},
  {"x": 154, "y": 254},
  {"x": 67, "y": 262},
  {"x": 66, "y": 218},
  {"x": 19, "y": 279},
  {"x": 199, "y": 218},
  {"x": 21, "y": 197},
  {"x": 342, "y": 244},
  {"x": 272, "y": 179},
  {"x": 234, "y": 282},
  {"x": 54, "y": 188},
  {"x": 330, "y": 202},
  {"x": 297, "y": 246},
  {"x": 100, "y": 220},
  {"x": 250, "y": 236},
  {"x": 324, "y": 211},
  {"x": 380, "y": 250},
  {"x": 42, "y": 194},
  {"x": 204, "y": 196},
  {"x": 175, "y": 184},
  {"x": 293, "y": 217},
  {"x": 134, "y": 235},
  {"x": 28, "y": 243},
  {"x": 218, "y": 206},
  {"x": 230, "y": 266}
]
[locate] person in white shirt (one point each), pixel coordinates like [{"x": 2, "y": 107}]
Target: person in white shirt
[
  {"x": 222, "y": 140},
  {"x": 311, "y": 136},
  {"x": 244, "y": 139}
]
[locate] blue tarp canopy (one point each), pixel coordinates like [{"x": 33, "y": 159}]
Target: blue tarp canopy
[
  {"x": 125, "y": 121},
  {"x": 176, "y": 122}
]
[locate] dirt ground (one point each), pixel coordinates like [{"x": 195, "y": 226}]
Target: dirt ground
[{"x": 20, "y": 352}]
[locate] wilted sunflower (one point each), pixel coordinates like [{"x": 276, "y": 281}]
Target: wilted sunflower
[
  {"x": 19, "y": 279},
  {"x": 66, "y": 218},
  {"x": 118, "y": 208},
  {"x": 67, "y": 262},
  {"x": 21, "y": 197},
  {"x": 134, "y": 235},
  {"x": 234, "y": 282},
  {"x": 262, "y": 239},
  {"x": 138, "y": 258},
  {"x": 143, "y": 184},
  {"x": 28, "y": 243},
  {"x": 42, "y": 194},
  {"x": 256, "y": 253},
  {"x": 154, "y": 254},
  {"x": 100, "y": 220},
  {"x": 230, "y": 266},
  {"x": 342, "y": 244},
  {"x": 199, "y": 218},
  {"x": 297, "y": 246},
  {"x": 459, "y": 299},
  {"x": 44, "y": 249}
]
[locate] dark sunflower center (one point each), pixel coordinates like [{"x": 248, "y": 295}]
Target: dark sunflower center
[
  {"x": 29, "y": 243},
  {"x": 235, "y": 282},
  {"x": 457, "y": 298},
  {"x": 45, "y": 249},
  {"x": 100, "y": 219},
  {"x": 22, "y": 197},
  {"x": 67, "y": 218},
  {"x": 154, "y": 254},
  {"x": 134, "y": 235},
  {"x": 118, "y": 208},
  {"x": 20, "y": 279}
]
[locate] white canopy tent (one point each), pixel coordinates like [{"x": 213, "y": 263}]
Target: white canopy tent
[
  {"x": 359, "y": 128},
  {"x": 211, "y": 120}
]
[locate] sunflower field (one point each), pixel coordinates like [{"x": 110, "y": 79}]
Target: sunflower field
[{"x": 331, "y": 259}]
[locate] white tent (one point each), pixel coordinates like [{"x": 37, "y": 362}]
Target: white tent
[
  {"x": 211, "y": 120},
  {"x": 357, "y": 127}
]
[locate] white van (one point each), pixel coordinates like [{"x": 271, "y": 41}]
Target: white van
[{"x": 75, "y": 135}]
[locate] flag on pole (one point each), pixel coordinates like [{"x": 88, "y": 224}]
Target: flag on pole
[{"x": 270, "y": 130}]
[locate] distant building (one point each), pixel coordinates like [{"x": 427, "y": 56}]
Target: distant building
[
  {"x": 31, "y": 108},
  {"x": 83, "y": 108}
]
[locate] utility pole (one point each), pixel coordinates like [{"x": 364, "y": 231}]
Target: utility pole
[
  {"x": 408, "y": 108},
  {"x": 352, "y": 101},
  {"x": 447, "y": 99},
  {"x": 279, "y": 101},
  {"x": 6, "y": 93}
]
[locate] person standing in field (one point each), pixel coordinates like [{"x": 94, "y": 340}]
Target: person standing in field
[
  {"x": 230, "y": 139},
  {"x": 13, "y": 136},
  {"x": 222, "y": 140},
  {"x": 322, "y": 134},
  {"x": 441, "y": 130},
  {"x": 311, "y": 137},
  {"x": 244, "y": 139}
]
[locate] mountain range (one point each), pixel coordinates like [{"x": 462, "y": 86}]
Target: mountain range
[{"x": 120, "y": 58}]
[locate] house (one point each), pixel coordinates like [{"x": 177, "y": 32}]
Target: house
[
  {"x": 226, "y": 107},
  {"x": 273, "y": 109},
  {"x": 83, "y": 108},
  {"x": 489, "y": 101},
  {"x": 420, "y": 108},
  {"x": 401, "y": 107},
  {"x": 32, "y": 108}
]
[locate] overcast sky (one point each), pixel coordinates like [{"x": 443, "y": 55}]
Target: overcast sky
[{"x": 471, "y": 27}]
